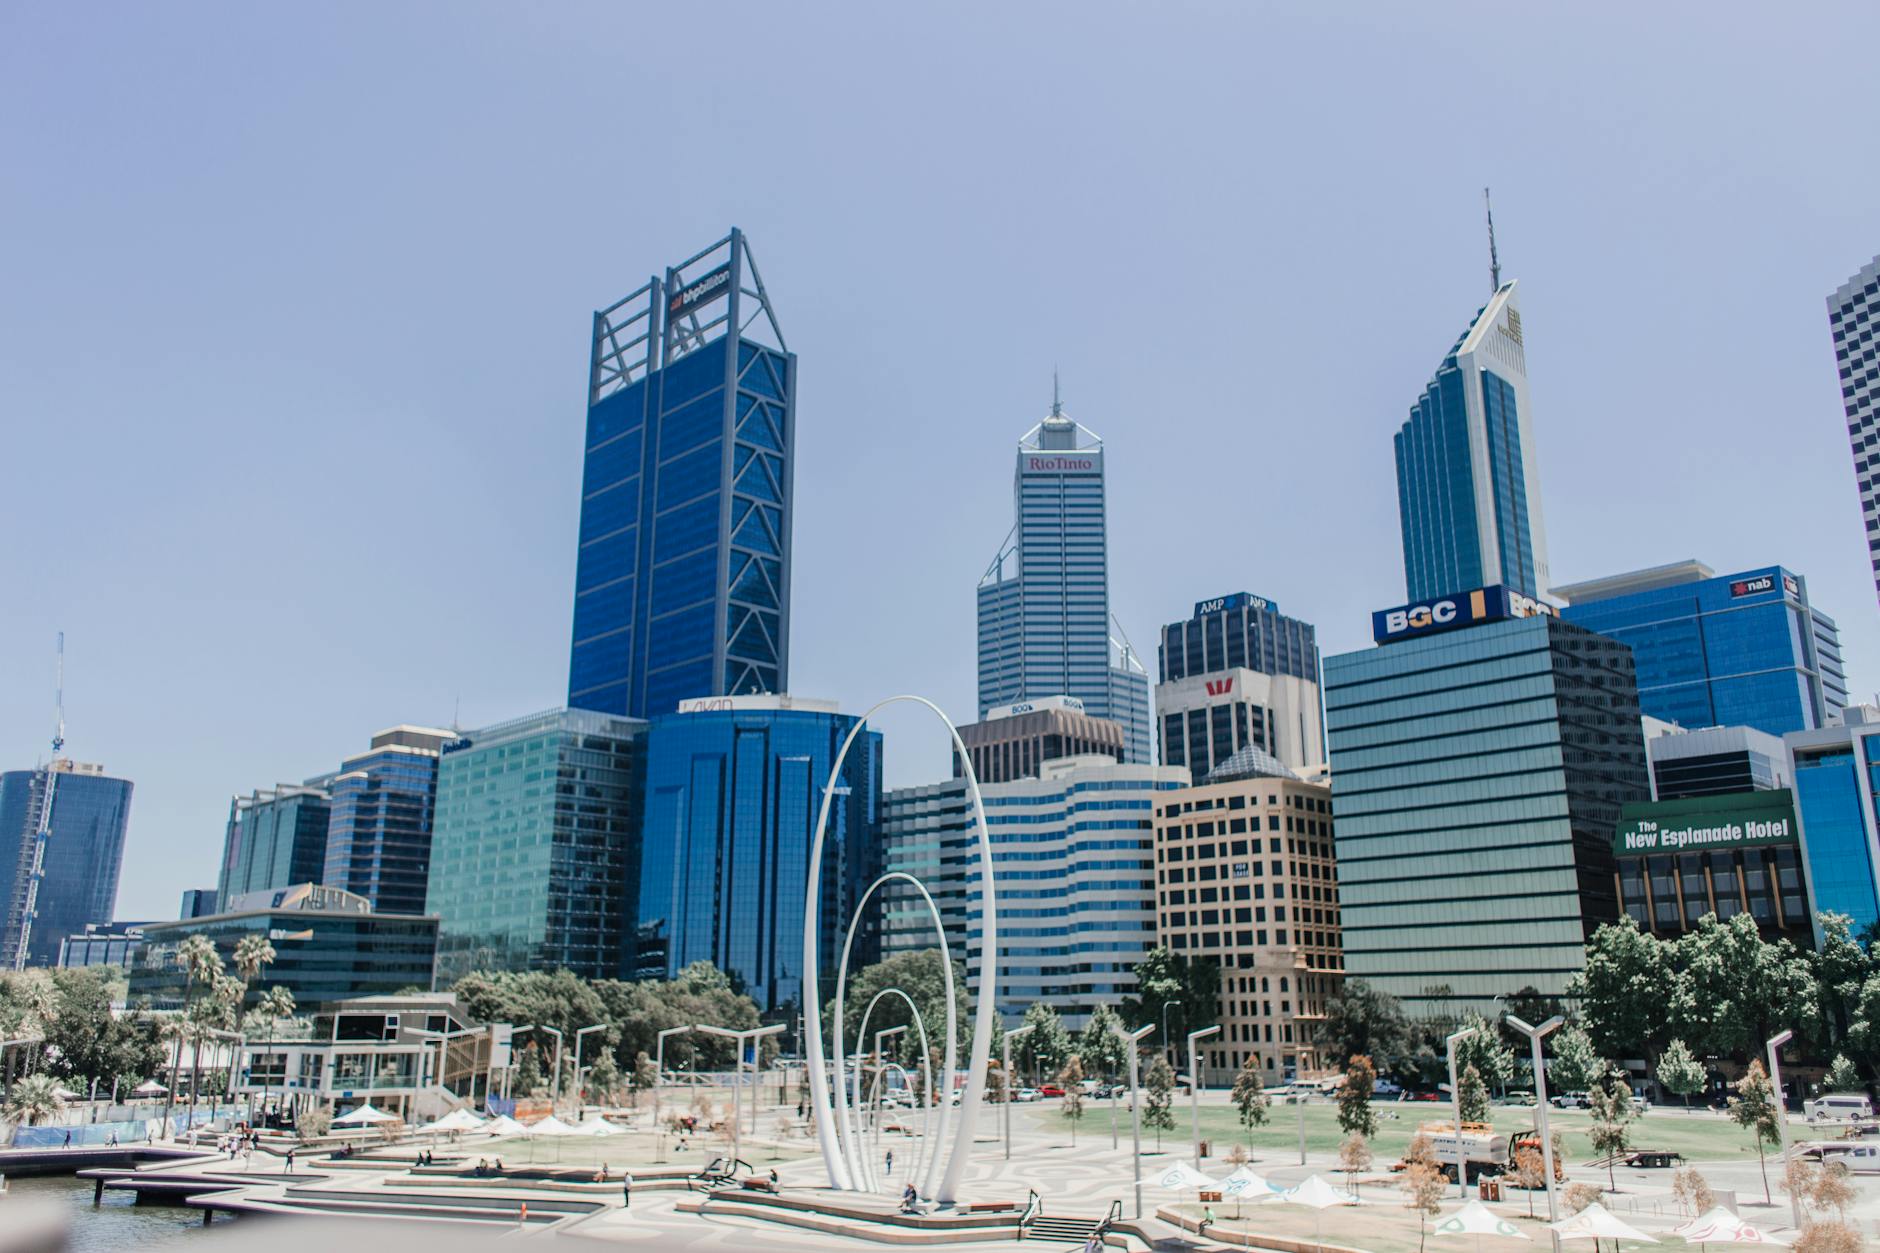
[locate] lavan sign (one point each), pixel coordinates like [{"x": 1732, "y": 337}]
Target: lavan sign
[
  {"x": 1447, "y": 613},
  {"x": 1742, "y": 820}
]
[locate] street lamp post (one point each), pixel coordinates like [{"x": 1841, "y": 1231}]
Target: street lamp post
[
  {"x": 599, "y": 1026},
  {"x": 1535, "y": 1035},
  {"x": 1194, "y": 1087},
  {"x": 659, "y": 1068},
  {"x": 1133, "y": 1040},
  {"x": 1006, "y": 1073},
  {"x": 1455, "y": 1104},
  {"x": 737, "y": 1087},
  {"x": 1782, "y": 1115},
  {"x": 1166, "y": 1050}
]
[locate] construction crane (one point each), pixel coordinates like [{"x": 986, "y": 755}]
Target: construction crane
[{"x": 42, "y": 828}]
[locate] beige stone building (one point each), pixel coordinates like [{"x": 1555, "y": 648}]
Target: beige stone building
[{"x": 1245, "y": 875}]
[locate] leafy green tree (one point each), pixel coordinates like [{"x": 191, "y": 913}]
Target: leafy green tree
[
  {"x": 1485, "y": 1050},
  {"x": 1190, "y": 990},
  {"x": 531, "y": 1075},
  {"x": 1755, "y": 1108},
  {"x": 1354, "y": 1157},
  {"x": 1250, "y": 1097},
  {"x": 1533, "y": 1007},
  {"x": 1047, "y": 1044},
  {"x": 1842, "y": 1076},
  {"x": 1862, "y": 1042},
  {"x": 1627, "y": 991},
  {"x": 1743, "y": 988},
  {"x": 1103, "y": 1054},
  {"x": 1576, "y": 1062},
  {"x": 1472, "y": 1095},
  {"x": 1613, "y": 1111},
  {"x": 645, "y": 1072},
  {"x": 920, "y": 975},
  {"x": 1841, "y": 968},
  {"x": 86, "y": 1043},
  {"x": 1362, "y": 1020},
  {"x": 1071, "y": 1079},
  {"x": 1354, "y": 1097},
  {"x": 1680, "y": 1073},
  {"x": 1158, "y": 1102},
  {"x": 603, "y": 1077}
]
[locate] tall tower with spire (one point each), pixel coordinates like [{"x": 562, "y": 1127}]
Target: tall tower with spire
[
  {"x": 1468, "y": 487},
  {"x": 1045, "y": 627}
]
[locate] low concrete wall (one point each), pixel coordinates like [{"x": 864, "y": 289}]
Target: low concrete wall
[{"x": 1251, "y": 1240}]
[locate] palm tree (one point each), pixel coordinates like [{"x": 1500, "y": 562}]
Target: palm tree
[
  {"x": 252, "y": 953},
  {"x": 33, "y": 1098},
  {"x": 276, "y": 1003},
  {"x": 214, "y": 1012},
  {"x": 202, "y": 964}
]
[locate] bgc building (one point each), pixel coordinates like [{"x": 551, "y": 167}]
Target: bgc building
[{"x": 1481, "y": 756}]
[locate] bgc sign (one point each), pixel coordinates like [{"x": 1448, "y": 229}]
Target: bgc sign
[{"x": 1447, "y": 613}]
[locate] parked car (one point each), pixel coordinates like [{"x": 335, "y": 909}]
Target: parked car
[
  {"x": 1026, "y": 1094},
  {"x": 1387, "y": 1088},
  {"x": 1050, "y": 1089},
  {"x": 1572, "y": 1100},
  {"x": 1521, "y": 1097}
]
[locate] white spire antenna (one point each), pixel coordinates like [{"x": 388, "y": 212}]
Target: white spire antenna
[
  {"x": 58, "y": 735},
  {"x": 1494, "y": 260},
  {"x": 1057, "y": 404}
]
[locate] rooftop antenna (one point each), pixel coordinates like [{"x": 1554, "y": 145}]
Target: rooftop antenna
[
  {"x": 58, "y": 736},
  {"x": 1057, "y": 405},
  {"x": 1494, "y": 261}
]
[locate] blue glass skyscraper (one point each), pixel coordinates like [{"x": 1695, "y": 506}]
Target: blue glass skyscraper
[
  {"x": 733, "y": 786},
  {"x": 378, "y": 839},
  {"x": 682, "y": 584},
  {"x": 1044, "y": 602},
  {"x": 1837, "y": 795},
  {"x": 78, "y": 870},
  {"x": 1720, "y": 650},
  {"x": 1468, "y": 490}
]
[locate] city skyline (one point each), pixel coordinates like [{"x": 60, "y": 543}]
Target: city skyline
[{"x": 196, "y": 485}]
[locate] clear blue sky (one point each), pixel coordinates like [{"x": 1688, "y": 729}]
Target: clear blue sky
[{"x": 294, "y": 307}]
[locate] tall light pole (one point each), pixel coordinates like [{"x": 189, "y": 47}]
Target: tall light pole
[
  {"x": 659, "y": 1069},
  {"x": 737, "y": 1087},
  {"x": 1194, "y": 1087},
  {"x": 1132, "y": 1040},
  {"x": 599, "y": 1026},
  {"x": 1782, "y": 1115},
  {"x": 1535, "y": 1035},
  {"x": 1010, "y": 1036},
  {"x": 1455, "y": 1103},
  {"x": 1166, "y": 1049}
]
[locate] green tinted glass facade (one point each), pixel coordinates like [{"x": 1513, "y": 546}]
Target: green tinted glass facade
[
  {"x": 535, "y": 844},
  {"x": 1477, "y": 777}
]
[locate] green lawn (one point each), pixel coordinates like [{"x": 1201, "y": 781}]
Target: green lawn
[{"x": 1699, "y": 1137}]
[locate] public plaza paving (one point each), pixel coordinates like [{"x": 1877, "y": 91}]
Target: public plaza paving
[{"x": 555, "y": 1178}]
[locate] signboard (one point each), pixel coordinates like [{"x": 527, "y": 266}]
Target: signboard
[
  {"x": 1740, "y": 820},
  {"x": 1447, "y": 613},
  {"x": 1221, "y": 604},
  {"x": 502, "y": 1035},
  {"x": 1754, "y": 585},
  {"x": 765, "y": 702},
  {"x": 1070, "y": 703},
  {"x": 702, "y": 291},
  {"x": 1060, "y": 462}
]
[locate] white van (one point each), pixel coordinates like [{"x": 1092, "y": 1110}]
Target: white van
[
  {"x": 1838, "y": 1107},
  {"x": 1859, "y": 1159}
]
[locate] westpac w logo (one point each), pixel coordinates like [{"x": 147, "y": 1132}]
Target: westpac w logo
[{"x": 1220, "y": 687}]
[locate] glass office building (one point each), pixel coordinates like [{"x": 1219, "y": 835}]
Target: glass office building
[
  {"x": 1837, "y": 789},
  {"x": 84, "y": 850},
  {"x": 1468, "y": 486},
  {"x": 276, "y": 837},
  {"x": 1239, "y": 673},
  {"x": 1853, "y": 320},
  {"x": 378, "y": 840},
  {"x": 535, "y": 844},
  {"x": 1477, "y": 776},
  {"x": 733, "y": 788},
  {"x": 926, "y": 831},
  {"x": 682, "y": 583},
  {"x": 328, "y": 946},
  {"x": 1044, "y": 602},
  {"x": 1074, "y": 855},
  {"x": 1715, "y": 761},
  {"x": 1720, "y": 650}
]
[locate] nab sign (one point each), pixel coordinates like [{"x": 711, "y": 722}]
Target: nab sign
[{"x": 1447, "y": 613}]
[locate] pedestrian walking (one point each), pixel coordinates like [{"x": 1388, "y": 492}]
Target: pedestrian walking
[
  {"x": 68, "y": 1139},
  {"x": 891, "y": 1161},
  {"x": 288, "y": 1168},
  {"x": 626, "y": 1189}
]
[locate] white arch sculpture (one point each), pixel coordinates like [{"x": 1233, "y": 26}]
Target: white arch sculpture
[
  {"x": 845, "y": 1124},
  {"x": 861, "y": 1165},
  {"x": 839, "y": 1173}
]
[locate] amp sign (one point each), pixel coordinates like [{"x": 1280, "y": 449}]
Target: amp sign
[{"x": 1447, "y": 613}]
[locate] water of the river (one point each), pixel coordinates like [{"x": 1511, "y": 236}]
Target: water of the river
[{"x": 117, "y": 1224}]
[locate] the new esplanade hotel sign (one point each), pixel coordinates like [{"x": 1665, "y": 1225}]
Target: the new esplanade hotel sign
[
  {"x": 1447, "y": 613},
  {"x": 1707, "y": 822}
]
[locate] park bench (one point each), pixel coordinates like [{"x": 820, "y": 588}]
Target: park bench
[{"x": 990, "y": 1207}]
